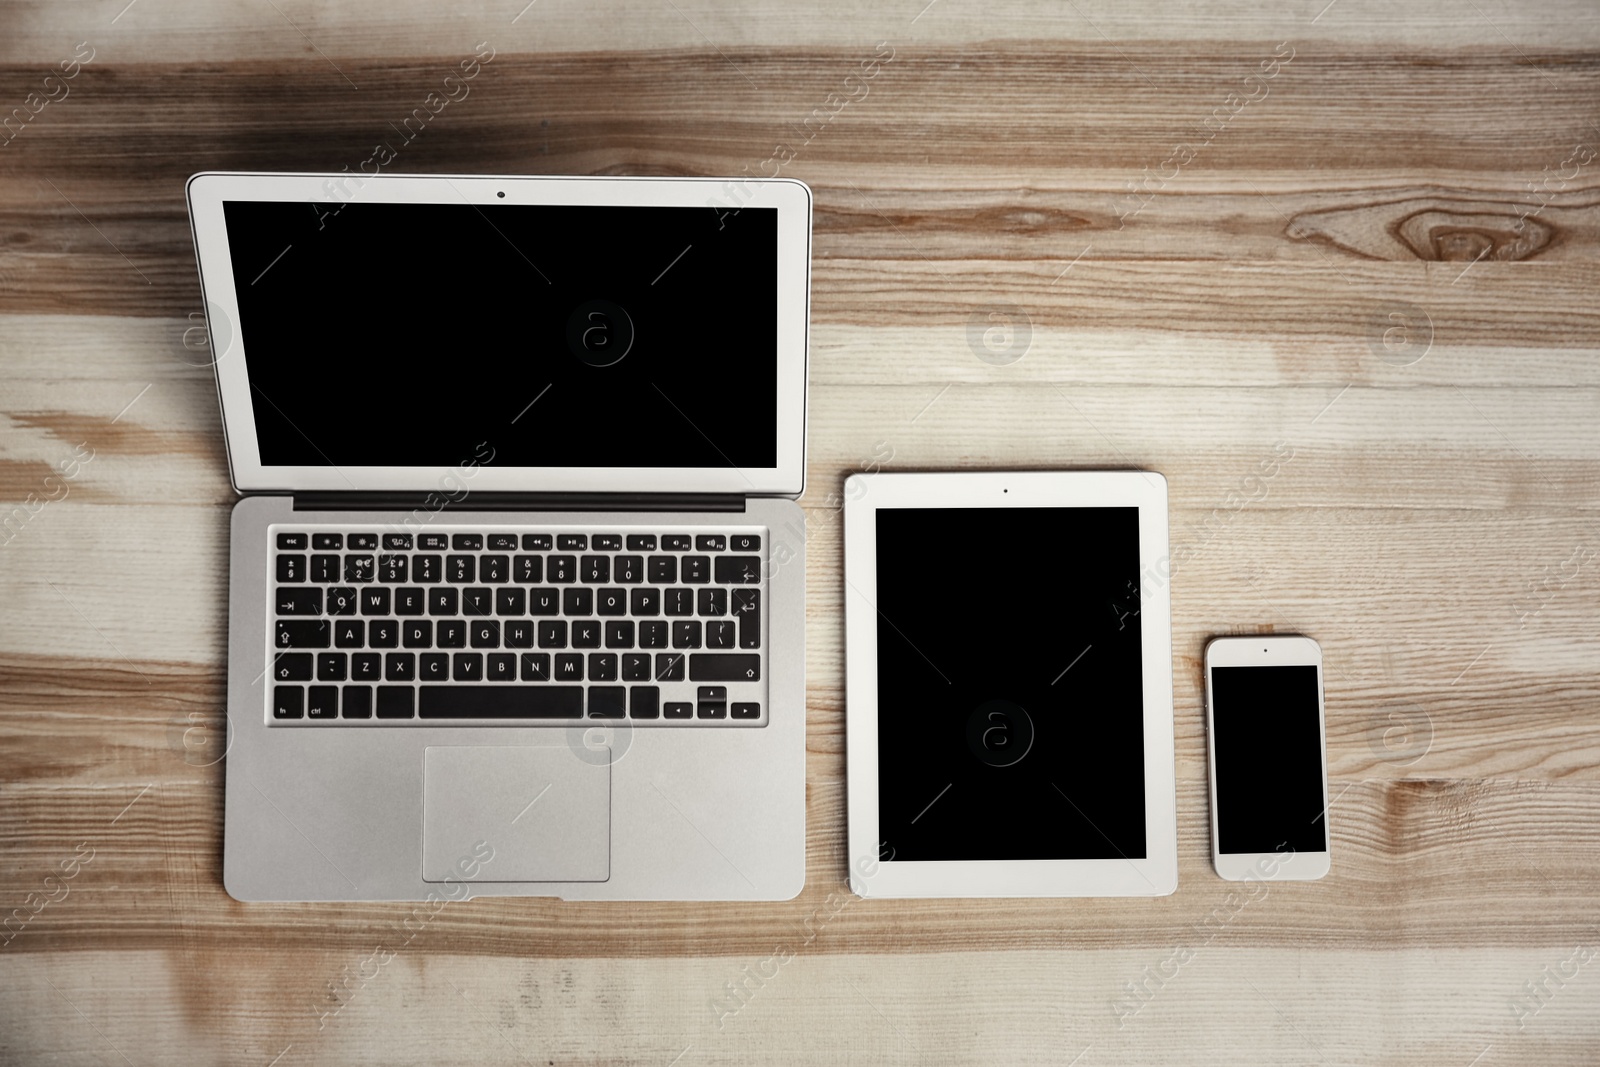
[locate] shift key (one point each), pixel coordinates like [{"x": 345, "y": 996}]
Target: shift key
[{"x": 724, "y": 667}]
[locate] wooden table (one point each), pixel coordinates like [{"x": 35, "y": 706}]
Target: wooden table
[{"x": 1359, "y": 236}]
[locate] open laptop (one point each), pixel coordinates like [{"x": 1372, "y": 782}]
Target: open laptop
[{"x": 517, "y": 588}]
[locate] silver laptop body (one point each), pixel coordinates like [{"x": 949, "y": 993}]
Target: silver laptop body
[{"x": 517, "y": 582}]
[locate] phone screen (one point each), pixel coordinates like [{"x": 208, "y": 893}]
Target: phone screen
[{"x": 1266, "y": 738}]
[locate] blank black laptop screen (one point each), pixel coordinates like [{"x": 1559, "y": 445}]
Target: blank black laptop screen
[{"x": 408, "y": 334}]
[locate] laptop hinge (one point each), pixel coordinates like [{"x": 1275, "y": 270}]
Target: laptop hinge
[{"x": 438, "y": 502}]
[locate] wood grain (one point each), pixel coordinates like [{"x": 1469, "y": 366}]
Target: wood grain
[{"x": 1419, "y": 170}]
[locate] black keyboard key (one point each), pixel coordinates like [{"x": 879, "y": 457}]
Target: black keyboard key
[
  {"x": 577, "y": 602},
  {"x": 536, "y": 542},
  {"x": 680, "y": 601},
  {"x": 434, "y": 667},
  {"x": 342, "y": 600},
  {"x": 288, "y": 701},
  {"x": 602, "y": 667},
  {"x": 409, "y": 601},
  {"x": 357, "y": 701},
  {"x": 291, "y": 568},
  {"x": 291, "y": 667},
  {"x": 396, "y": 701},
  {"x": 747, "y": 608},
  {"x": 502, "y": 542},
  {"x": 322, "y": 702},
  {"x": 292, "y": 540},
  {"x": 607, "y": 701},
  {"x": 444, "y": 601},
  {"x": 676, "y": 542},
  {"x": 325, "y": 567},
  {"x": 663, "y": 570},
  {"x": 636, "y": 667},
  {"x": 535, "y": 666},
  {"x": 519, "y": 633},
  {"x": 562, "y": 569},
  {"x": 711, "y": 692},
  {"x": 392, "y": 569},
  {"x": 332, "y": 666},
  {"x": 365, "y": 666},
  {"x": 669, "y": 666},
  {"x": 572, "y": 542},
  {"x": 510, "y": 602},
  {"x": 363, "y": 542},
  {"x": 477, "y": 601},
  {"x": 433, "y": 542},
  {"x": 738, "y": 570},
  {"x": 553, "y": 634},
  {"x": 501, "y": 702},
  {"x": 678, "y": 711},
  {"x": 450, "y": 633},
  {"x": 400, "y": 667},
  {"x": 494, "y": 569},
  {"x": 468, "y": 666},
  {"x": 425, "y": 568},
  {"x": 686, "y": 634},
  {"x": 461, "y": 569},
  {"x": 724, "y": 667},
  {"x": 644, "y": 602},
  {"x": 607, "y": 543},
  {"x": 302, "y": 601},
  {"x": 630, "y": 569},
  {"x": 500, "y": 667},
  {"x": 543, "y": 602},
  {"x": 394, "y": 542},
  {"x": 713, "y": 601},
  {"x": 527, "y": 569},
  {"x": 374, "y": 601},
  {"x": 644, "y": 702},
  {"x": 416, "y": 633},
  {"x": 641, "y": 542},
  {"x": 696, "y": 569},
  {"x": 619, "y": 634},
  {"x": 712, "y": 709},
  {"x": 349, "y": 633},
  {"x": 744, "y": 542},
  {"x": 744, "y": 711},
  {"x": 325, "y": 541},
  {"x": 710, "y": 543},
  {"x": 569, "y": 667},
  {"x": 467, "y": 542},
  {"x": 595, "y": 569},
  {"x": 301, "y": 633},
  {"x": 652, "y": 635},
  {"x": 383, "y": 633},
  {"x": 611, "y": 602},
  {"x": 359, "y": 568},
  {"x": 485, "y": 633},
  {"x": 586, "y": 633},
  {"x": 720, "y": 634}
]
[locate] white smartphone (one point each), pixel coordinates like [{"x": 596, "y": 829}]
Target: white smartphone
[{"x": 1268, "y": 757}]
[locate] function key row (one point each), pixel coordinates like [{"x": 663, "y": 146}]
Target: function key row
[
  {"x": 528, "y": 542},
  {"x": 460, "y": 569}
]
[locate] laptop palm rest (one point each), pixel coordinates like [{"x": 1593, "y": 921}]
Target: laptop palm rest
[{"x": 515, "y": 814}]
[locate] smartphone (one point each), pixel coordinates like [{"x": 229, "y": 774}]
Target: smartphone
[{"x": 1268, "y": 758}]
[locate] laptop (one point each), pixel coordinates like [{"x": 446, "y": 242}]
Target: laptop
[{"x": 517, "y": 582}]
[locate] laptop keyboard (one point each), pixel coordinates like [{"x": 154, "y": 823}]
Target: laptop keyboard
[{"x": 495, "y": 625}]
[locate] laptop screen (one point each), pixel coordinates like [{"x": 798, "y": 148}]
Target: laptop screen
[{"x": 384, "y": 334}]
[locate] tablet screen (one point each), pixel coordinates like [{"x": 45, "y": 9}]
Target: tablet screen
[{"x": 1010, "y": 684}]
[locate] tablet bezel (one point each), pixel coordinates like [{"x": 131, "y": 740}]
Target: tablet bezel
[{"x": 873, "y": 876}]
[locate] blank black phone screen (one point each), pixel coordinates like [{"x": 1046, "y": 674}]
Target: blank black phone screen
[{"x": 1266, "y": 736}]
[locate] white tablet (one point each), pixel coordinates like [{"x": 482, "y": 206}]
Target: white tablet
[{"x": 1009, "y": 685}]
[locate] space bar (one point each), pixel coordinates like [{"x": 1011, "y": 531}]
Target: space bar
[{"x": 500, "y": 702}]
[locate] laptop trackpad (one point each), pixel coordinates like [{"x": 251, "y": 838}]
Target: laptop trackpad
[{"x": 515, "y": 814}]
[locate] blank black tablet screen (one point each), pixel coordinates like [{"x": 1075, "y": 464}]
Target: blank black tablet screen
[{"x": 1010, "y": 685}]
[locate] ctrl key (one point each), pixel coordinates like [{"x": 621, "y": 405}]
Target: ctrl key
[{"x": 288, "y": 702}]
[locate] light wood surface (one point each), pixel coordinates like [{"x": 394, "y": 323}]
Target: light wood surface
[{"x": 1436, "y": 528}]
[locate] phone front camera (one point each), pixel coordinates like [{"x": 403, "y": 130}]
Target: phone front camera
[{"x": 502, "y": 196}]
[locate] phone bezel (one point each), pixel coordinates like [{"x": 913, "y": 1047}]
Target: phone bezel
[{"x": 1266, "y": 651}]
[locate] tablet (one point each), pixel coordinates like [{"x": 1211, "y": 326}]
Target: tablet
[{"x": 1009, "y": 685}]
